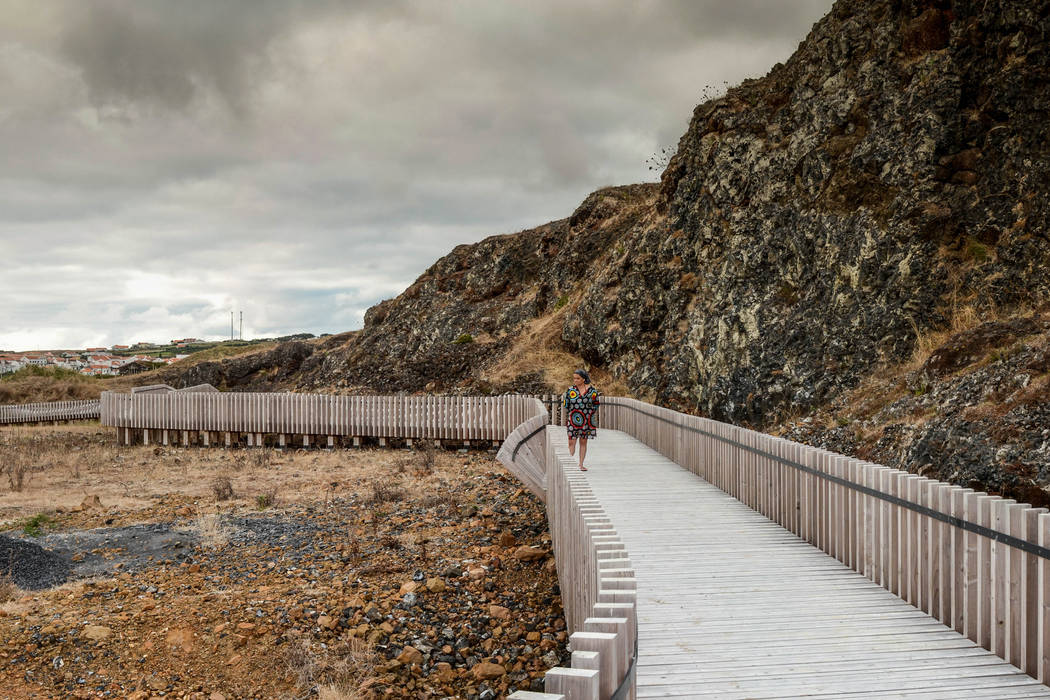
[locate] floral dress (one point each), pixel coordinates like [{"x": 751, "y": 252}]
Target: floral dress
[{"x": 581, "y": 408}]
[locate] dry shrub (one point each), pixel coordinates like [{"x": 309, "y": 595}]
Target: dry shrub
[
  {"x": 212, "y": 531},
  {"x": 385, "y": 492},
  {"x": 261, "y": 458},
  {"x": 440, "y": 497},
  {"x": 8, "y": 590},
  {"x": 343, "y": 671},
  {"x": 984, "y": 410},
  {"x": 266, "y": 499},
  {"x": 15, "y": 464},
  {"x": 964, "y": 318},
  {"x": 16, "y": 475},
  {"x": 391, "y": 542},
  {"x": 1038, "y": 392},
  {"x": 222, "y": 487},
  {"x": 427, "y": 456}
]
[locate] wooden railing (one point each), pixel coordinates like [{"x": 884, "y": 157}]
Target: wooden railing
[
  {"x": 49, "y": 411},
  {"x": 978, "y": 563},
  {"x": 209, "y": 418},
  {"x": 594, "y": 572},
  {"x": 524, "y": 451}
]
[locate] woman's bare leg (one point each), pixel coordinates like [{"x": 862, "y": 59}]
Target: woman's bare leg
[
  {"x": 572, "y": 446},
  {"x": 583, "y": 451}
]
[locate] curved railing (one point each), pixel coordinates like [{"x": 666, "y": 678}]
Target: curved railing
[
  {"x": 594, "y": 572},
  {"x": 524, "y": 451},
  {"x": 45, "y": 412}
]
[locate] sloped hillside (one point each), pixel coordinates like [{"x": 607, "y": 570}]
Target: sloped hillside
[{"x": 457, "y": 326}]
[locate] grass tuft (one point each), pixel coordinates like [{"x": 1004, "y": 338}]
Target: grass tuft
[
  {"x": 34, "y": 526},
  {"x": 266, "y": 499},
  {"x": 212, "y": 531},
  {"x": 383, "y": 491},
  {"x": 340, "y": 671}
]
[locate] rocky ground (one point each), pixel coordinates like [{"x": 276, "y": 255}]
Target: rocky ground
[{"x": 235, "y": 574}]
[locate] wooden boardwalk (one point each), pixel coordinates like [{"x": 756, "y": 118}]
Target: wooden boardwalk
[{"x": 733, "y": 606}]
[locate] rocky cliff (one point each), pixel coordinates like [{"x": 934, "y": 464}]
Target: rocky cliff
[
  {"x": 816, "y": 229},
  {"x": 821, "y": 219}
]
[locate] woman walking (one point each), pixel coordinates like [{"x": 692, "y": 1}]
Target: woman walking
[{"x": 581, "y": 403}]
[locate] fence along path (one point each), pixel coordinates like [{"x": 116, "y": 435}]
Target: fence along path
[
  {"x": 207, "y": 418},
  {"x": 46, "y": 412},
  {"x": 594, "y": 568}
]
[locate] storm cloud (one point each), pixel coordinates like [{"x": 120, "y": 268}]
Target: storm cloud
[{"x": 167, "y": 162}]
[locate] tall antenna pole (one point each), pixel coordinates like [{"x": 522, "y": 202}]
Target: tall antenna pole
[
  {"x": 231, "y": 325},
  {"x": 241, "y": 334}
]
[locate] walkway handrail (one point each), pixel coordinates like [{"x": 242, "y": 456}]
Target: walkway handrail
[
  {"x": 978, "y": 563},
  {"x": 594, "y": 572},
  {"x": 42, "y": 412},
  {"x": 524, "y": 451}
]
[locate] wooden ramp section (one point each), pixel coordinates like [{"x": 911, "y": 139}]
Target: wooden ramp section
[{"x": 733, "y": 606}]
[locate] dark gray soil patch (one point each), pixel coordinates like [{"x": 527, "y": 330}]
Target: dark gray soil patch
[
  {"x": 30, "y": 566},
  {"x": 54, "y": 558},
  {"x": 133, "y": 547}
]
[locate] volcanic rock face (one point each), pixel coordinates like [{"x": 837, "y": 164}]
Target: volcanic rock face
[
  {"x": 819, "y": 218},
  {"x": 262, "y": 371}
]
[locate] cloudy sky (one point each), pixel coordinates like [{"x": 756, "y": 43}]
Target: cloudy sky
[{"x": 165, "y": 162}]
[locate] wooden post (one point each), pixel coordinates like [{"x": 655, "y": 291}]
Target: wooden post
[
  {"x": 573, "y": 683},
  {"x": 1043, "y": 640},
  {"x": 1032, "y": 611},
  {"x": 606, "y": 645}
]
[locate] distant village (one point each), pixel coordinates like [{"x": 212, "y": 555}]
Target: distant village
[{"x": 95, "y": 362}]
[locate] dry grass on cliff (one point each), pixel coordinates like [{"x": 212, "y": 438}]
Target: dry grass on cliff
[
  {"x": 34, "y": 384},
  {"x": 964, "y": 318},
  {"x": 865, "y": 407},
  {"x": 539, "y": 348}
]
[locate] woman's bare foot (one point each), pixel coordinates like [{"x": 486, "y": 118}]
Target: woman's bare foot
[{"x": 583, "y": 468}]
